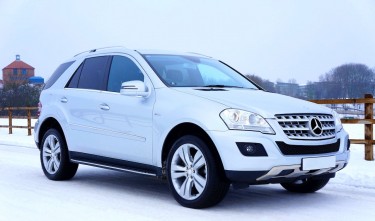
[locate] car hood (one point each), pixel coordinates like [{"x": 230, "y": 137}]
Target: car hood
[{"x": 263, "y": 103}]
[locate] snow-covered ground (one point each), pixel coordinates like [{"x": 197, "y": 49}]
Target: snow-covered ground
[
  {"x": 19, "y": 136},
  {"x": 98, "y": 194}
]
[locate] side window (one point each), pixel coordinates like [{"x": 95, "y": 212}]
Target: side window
[
  {"x": 122, "y": 69},
  {"x": 73, "y": 82},
  {"x": 93, "y": 73},
  {"x": 58, "y": 72}
]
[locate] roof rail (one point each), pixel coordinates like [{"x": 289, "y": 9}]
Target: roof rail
[{"x": 96, "y": 49}]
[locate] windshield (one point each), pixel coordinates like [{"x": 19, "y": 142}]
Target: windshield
[{"x": 190, "y": 71}]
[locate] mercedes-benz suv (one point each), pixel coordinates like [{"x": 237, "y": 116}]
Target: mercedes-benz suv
[{"x": 185, "y": 117}]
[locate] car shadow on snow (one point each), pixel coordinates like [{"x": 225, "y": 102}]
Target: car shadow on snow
[
  {"x": 115, "y": 181},
  {"x": 270, "y": 196},
  {"x": 273, "y": 196}
]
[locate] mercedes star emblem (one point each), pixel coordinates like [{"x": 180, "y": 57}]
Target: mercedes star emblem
[{"x": 316, "y": 126}]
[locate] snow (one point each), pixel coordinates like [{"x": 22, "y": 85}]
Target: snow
[
  {"x": 19, "y": 136},
  {"x": 98, "y": 194}
]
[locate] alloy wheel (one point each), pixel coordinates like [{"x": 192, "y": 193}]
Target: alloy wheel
[
  {"x": 189, "y": 171},
  {"x": 51, "y": 154}
]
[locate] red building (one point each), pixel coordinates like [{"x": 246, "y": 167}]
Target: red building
[{"x": 17, "y": 72}]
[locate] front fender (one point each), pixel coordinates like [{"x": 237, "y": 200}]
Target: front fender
[{"x": 169, "y": 112}]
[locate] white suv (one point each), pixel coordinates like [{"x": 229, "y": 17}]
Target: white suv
[{"x": 185, "y": 117}]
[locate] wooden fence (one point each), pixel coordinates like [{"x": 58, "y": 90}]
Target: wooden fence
[
  {"x": 368, "y": 121},
  {"x": 28, "y": 117}
]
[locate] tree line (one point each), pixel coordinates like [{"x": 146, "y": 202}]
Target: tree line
[
  {"x": 16, "y": 95},
  {"x": 345, "y": 81}
]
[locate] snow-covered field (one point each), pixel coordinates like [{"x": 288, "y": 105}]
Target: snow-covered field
[
  {"x": 98, "y": 194},
  {"x": 19, "y": 136}
]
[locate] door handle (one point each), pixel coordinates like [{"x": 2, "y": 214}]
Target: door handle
[
  {"x": 64, "y": 100},
  {"x": 104, "y": 107}
]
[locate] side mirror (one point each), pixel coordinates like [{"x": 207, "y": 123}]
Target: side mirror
[{"x": 134, "y": 88}]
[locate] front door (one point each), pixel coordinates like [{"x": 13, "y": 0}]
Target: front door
[{"x": 127, "y": 120}]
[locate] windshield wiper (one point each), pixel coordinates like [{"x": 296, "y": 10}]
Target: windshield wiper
[{"x": 221, "y": 86}]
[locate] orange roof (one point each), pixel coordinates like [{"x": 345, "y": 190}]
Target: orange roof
[{"x": 19, "y": 65}]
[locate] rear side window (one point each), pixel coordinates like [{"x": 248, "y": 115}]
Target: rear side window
[
  {"x": 93, "y": 73},
  {"x": 122, "y": 69},
  {"x": 59, "y": 71},
  {"x": 73, "y": 82}
]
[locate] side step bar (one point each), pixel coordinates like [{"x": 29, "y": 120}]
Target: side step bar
[{"x": 114, "y": 164}]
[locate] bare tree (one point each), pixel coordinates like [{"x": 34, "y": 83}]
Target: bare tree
[
  {"x": 350, "y": 80},
  {"x": 265, "y": 84}
]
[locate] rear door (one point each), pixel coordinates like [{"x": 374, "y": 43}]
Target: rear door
[{"x": 82, "y": 99}]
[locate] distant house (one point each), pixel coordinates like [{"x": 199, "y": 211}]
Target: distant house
[{"x": 17, "y": 72}]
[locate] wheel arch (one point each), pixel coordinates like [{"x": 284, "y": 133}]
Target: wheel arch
[
  {"x": 188, "y": 129},
  {"x": 48, "y": 124}
]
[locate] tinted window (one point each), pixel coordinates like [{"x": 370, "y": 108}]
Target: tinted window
[
  {"x": 73, "y": 82},
  {"x": 59, "y": 71},
  {"x": 122, "y": 69},
  {"x": 93, "y": 73}
]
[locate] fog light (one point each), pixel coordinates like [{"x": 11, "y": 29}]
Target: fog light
[{"x": 252, "y": 149}]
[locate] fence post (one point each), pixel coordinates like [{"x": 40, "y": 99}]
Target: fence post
[
  {"x": 10, "y": 121},
  {"x": 369, "y": 114},
  {"x": 28, "y": 122}
]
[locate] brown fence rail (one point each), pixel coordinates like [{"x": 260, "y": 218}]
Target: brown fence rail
[
  {"x": 368, "y": 121},
  {"x": 28, "y": 117}
]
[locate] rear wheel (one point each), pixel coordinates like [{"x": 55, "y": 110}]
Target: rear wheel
[
  {"x": 54, "y": 157},
  {"x": 306, "y": 185},
  {"x": 193, "y": 174}
]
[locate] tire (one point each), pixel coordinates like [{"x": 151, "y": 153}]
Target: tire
[
  {"x": 305, "y": 185},
  {"x": 54, "y": 157},
  {"x": 194, "y": 175}
]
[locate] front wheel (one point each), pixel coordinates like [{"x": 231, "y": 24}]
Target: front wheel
[
  {"x": 194, "y": 175},
  {"x": 305, "y": 185},
  {"x": 54, "y": 157}
]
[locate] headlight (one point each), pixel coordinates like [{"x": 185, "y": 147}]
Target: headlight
[
  {"x": 338, "y": 124},
  {"x": 244, "y": 120}
]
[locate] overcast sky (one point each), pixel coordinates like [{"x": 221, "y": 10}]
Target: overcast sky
[{"x": 272, "y": 39}]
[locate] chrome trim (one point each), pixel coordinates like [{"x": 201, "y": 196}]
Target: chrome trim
[
  {"x": 111, "y": 167},
  {"x": 110, "y": 132},
  {"x": 297, "y": 126},
  {"x": 273, "y": 173}
]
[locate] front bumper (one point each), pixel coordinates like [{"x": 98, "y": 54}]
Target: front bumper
[
  {"x": 281, "y": 174},
  {"x": 276, "y": 166}
]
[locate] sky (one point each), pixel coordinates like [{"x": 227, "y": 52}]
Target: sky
[{"x": 276, "y": 40}]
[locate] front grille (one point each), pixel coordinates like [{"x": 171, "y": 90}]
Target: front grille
[
  {"x": 296, "y": 126},
  {"x": 288, "y": 149}
]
